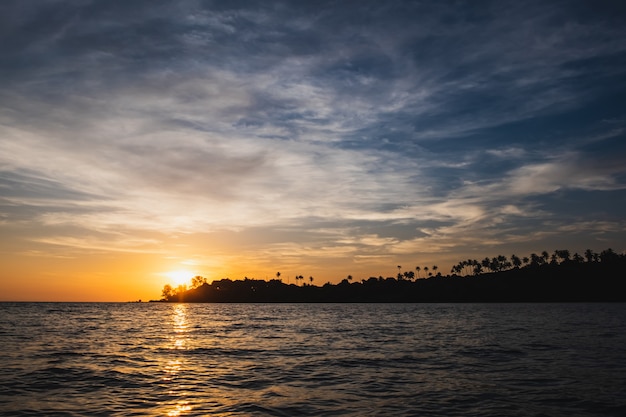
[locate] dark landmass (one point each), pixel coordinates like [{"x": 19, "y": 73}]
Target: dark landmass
[{"x": 559, "y": 280}]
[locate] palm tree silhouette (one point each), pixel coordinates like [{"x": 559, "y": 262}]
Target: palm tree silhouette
[
  {"x": 486, "y": 263},
  {"x": 562, "y": 254},
  {"x": 418, "y": 269}
]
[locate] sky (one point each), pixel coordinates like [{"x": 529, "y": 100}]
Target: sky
[{"x": 145, "y": 140}]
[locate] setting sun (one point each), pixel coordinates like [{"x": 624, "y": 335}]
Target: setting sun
[{"x": 179, "y": 277}]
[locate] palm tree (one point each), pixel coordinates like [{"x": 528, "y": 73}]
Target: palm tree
[
  {"x": 418, "y": 269},
  {"x": 311, "y": 280},
  {"x": 435, "y": 268},
  {"x": 608, "y": 255},
  {"x": 278, "y": 276},
  {"x": 503, "y": 262},
  {"x": 426, "y": 270},
  {"x": 562, "y": 254},
  {"x": 486, "y": 263},
  {"x": 535, "y": 260},
  {"x": 516, "y": 261}
]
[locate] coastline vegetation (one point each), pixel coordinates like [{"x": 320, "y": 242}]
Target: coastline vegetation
[{"x": 544, "y": 277}]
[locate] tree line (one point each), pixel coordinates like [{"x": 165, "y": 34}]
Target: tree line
[{"x": 559, "y": 276}]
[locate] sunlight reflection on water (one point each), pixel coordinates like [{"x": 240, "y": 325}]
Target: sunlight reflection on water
[
  {"x": 180, "y": 409},
  {"x": 173, "y": 369},
  {"x": 327, "y": 359},
  {"x": 180, "y": 326}
]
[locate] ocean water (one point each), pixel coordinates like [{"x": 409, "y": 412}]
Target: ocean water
[{"x": 154, "y": 359}]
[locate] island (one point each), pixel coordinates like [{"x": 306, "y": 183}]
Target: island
[{"x": 559, "y": 277}]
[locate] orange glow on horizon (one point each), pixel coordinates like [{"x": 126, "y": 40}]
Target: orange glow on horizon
[{"x": 103, "y": 276}]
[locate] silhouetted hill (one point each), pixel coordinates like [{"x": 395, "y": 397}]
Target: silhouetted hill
[{"x": 557, "y": 282}]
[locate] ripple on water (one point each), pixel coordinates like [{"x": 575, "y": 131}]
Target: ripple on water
[{"x": 348, "y": 360}]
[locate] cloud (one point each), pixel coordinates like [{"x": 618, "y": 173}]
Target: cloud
[
  {"x": 508, "y": 153},
  {"x": 397, "y": 128},
  {"x": 550, "y": 177}
]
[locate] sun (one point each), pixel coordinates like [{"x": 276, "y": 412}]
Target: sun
[{"x": 180, "y": 277}]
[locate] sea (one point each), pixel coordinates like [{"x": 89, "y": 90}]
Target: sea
[{"x": 162, "y": 359}]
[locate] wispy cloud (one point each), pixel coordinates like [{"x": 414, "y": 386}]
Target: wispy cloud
[{"x": 398, "y": 128}]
